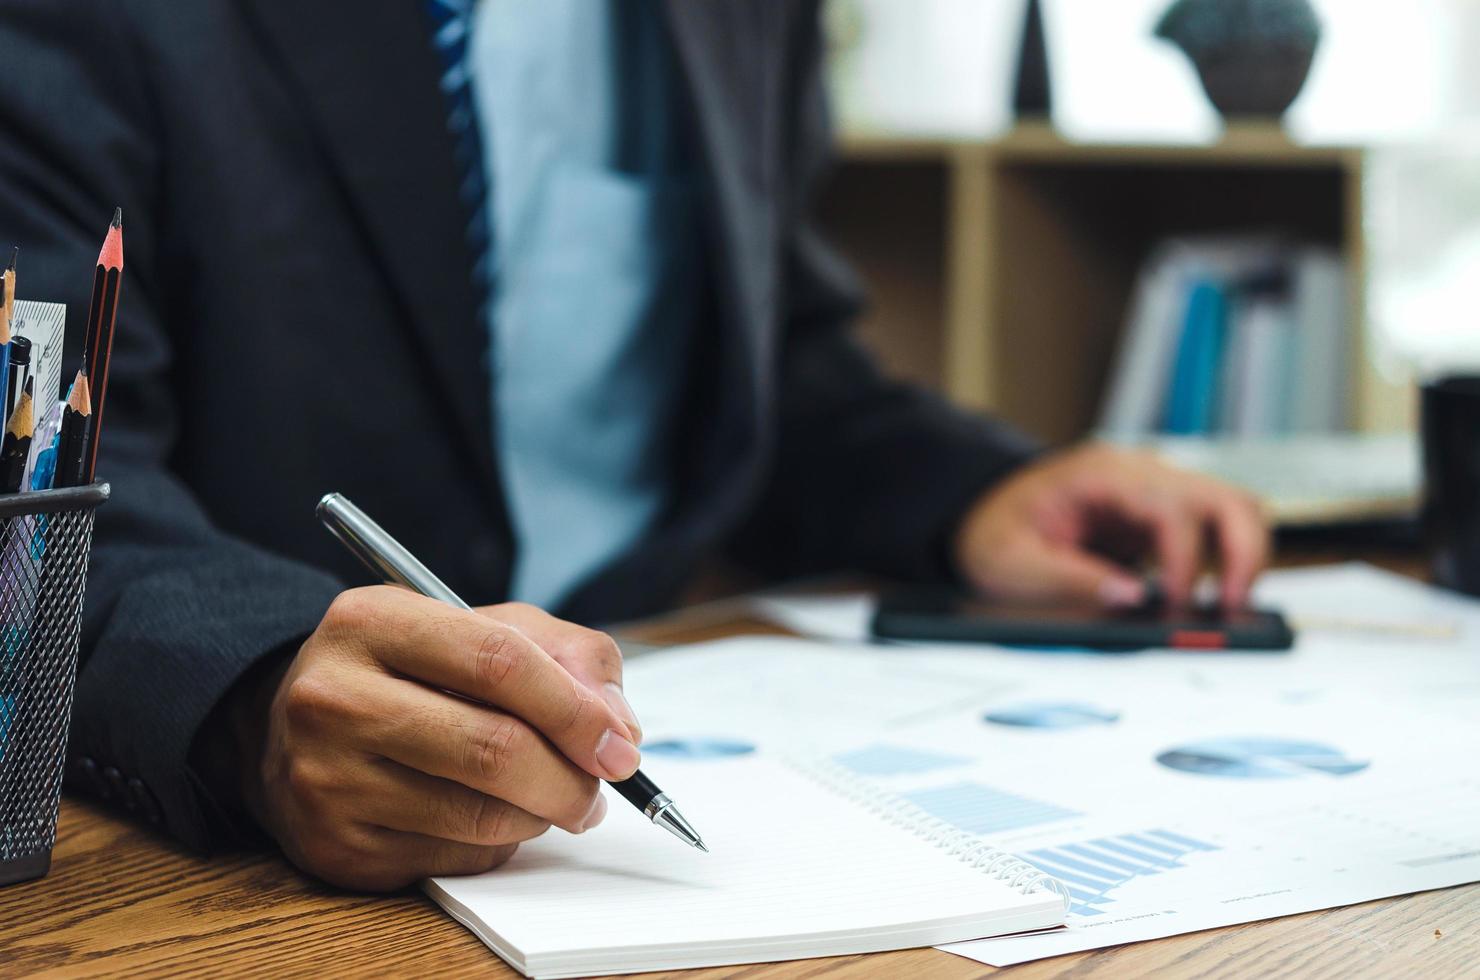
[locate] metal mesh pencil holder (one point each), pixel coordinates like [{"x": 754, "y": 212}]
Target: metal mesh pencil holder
[{"x": 45, "y": 540}]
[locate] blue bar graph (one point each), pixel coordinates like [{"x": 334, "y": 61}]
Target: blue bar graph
[
  {"x": 895, "y": 760},
  {"x": 979, "y": 809},
  {"x": 1092, "y": 869}
]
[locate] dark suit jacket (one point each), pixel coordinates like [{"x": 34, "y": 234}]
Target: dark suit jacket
[{"x": 298, "y": 317}]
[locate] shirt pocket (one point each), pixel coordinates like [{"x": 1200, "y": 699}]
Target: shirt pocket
[{"x": 598, "y": 253}]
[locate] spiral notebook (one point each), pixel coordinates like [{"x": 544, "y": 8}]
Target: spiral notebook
[{"x": 805, "y": 861}]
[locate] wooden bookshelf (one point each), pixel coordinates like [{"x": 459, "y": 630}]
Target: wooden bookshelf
[{"x": 999, "y": 270}]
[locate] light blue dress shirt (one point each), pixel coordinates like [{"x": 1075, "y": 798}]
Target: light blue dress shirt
[{"x": 593, "y": 289}]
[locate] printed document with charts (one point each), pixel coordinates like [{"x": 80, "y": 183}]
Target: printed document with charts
[
  {"x": 803, "y": 862},
  {"x": 1167, "y": 793}
]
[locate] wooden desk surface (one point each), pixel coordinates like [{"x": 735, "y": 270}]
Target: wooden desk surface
[{"x": 122, "y": 902}]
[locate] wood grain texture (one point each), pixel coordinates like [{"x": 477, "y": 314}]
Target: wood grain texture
[{"x": 123, "y": 902}]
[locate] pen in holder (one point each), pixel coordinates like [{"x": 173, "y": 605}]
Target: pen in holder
[{"x": 45, "y": 541}]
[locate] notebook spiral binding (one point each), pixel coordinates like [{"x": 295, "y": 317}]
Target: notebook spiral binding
[{"x": 968, "y": 848}]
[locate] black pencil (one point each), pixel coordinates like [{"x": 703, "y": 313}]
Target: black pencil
[
  {"x": 72, "y": 441},
  {"x": 16, "y": 446},
  {"x": 107, "y": 282}
]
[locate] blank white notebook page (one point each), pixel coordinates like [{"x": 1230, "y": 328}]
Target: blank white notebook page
[{"x": 795, "y": 869}]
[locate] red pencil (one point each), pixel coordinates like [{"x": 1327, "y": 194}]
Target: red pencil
[{"x": 101, "y": 315}]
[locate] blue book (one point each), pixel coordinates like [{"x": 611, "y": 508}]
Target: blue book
[{"x": 1193, "y": 402}]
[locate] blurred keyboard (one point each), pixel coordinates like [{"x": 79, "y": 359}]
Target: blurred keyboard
[{"x": 1310, "y": 480}]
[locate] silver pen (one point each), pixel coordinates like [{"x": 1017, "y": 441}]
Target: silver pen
[{"x": 387, "y": 558}]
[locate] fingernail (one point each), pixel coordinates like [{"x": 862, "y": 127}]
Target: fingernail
[
  {"x": 596, "y": 814},
  {"x": 618, "y": 701},
  {"x": 617, "y": 756},
  {"x": 1122, "y": 592}
]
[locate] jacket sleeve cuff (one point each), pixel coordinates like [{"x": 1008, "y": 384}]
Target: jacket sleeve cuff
[
  {"x": 174, "y": 644},
  {"x": 965, "y": 458}
]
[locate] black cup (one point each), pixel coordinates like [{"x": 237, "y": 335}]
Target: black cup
[{"x": 1451, "y": 460}]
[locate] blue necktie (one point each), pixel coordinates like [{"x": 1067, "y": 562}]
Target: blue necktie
[{"x": 452, "y": 25}]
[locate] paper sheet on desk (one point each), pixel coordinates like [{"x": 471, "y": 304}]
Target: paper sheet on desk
[
  {"x": 796, "y": 869},
  {"x": 1218, "y": 810},
  {"x": 1168, "y": 805},
  {"x": 844, "y": 617}
]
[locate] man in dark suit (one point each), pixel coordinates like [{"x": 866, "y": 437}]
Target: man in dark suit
[{"x": 535, "y": 285}]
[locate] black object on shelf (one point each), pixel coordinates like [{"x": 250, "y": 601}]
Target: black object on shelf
[
  {"x": 1252, "y": 56},
  {"x": 1032, "y": 95}
]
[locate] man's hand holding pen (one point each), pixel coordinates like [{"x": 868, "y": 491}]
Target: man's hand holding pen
[{"x": 410, "y": 738}]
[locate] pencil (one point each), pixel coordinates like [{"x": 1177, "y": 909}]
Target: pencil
[
  {"x": 7, "y": 313},
  {"x": 72, "y": 442},
  {"x": 107, "y": 281},
  {"x": 16, "y": 447},
  {"x": 9, "y": 300}
]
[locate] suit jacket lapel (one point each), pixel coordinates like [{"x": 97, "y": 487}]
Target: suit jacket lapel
[
  {"x": 368, "y": 77},
  {"x": 384, "y": 131},
  {"x": 732, "y": 54}
]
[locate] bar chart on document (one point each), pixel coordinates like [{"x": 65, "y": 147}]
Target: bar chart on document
[
  {"x": 1093, "y": 869},
  {"x": 1161, "y": 808},
  {"x": 1094, "y": 863},
  {"x": 1164, "y": 813}
]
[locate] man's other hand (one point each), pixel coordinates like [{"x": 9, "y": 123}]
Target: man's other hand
[
  {"x": 409, "y": 738},
  {"x": 1079, "y": 525}
]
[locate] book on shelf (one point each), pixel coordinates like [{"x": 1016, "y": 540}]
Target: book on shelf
[
  {"x": 1243, "y": 335},
  {"x": 1235, "y": 361}
]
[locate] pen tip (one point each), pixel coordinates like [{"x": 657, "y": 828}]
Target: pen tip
[
  {"x": 117, "y": 221},
  {"x": 15, "y": 253},
  {"x": 672, "y": 821}
]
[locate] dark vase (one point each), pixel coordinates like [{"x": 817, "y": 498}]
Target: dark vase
[{"x": 1252, "y": 56}]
